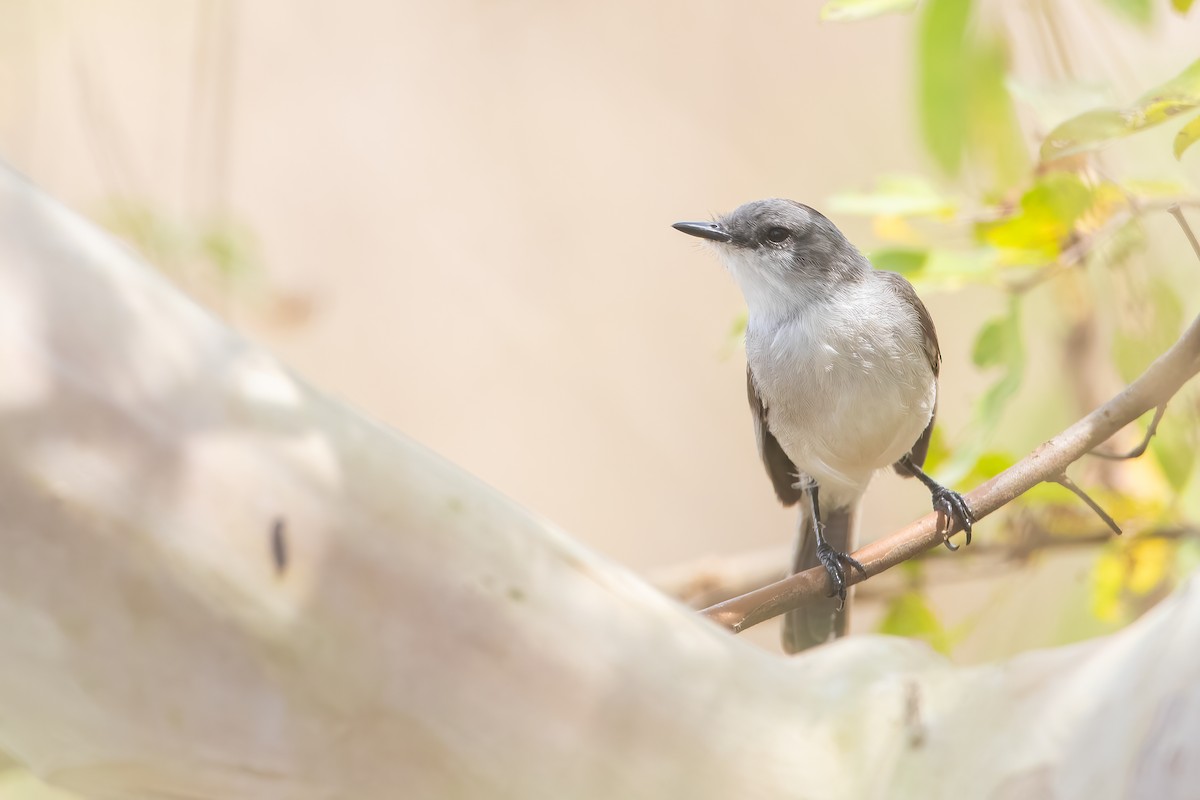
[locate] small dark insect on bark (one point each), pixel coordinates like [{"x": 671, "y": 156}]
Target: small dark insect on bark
[{"x": 279, "y": 545}]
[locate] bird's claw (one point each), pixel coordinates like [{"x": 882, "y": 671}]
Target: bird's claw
[
  {"x": 952, "y": 510},
  {"x": 833, "y": 562}
]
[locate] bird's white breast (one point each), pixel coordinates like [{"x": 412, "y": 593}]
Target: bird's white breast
[{"x": 845, "y": 395}]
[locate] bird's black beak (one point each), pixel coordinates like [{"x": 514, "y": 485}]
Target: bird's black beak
[{"x": 705, "y": 230}]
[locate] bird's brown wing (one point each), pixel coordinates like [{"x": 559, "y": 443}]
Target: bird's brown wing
[
  {"x": 908, "y": 295},
  {"x": 780, "y": 468}
]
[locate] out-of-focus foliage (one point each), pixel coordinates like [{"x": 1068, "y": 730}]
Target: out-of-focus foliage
[
  {"x": 850, "y": 10},
  {"x": 1187, "y": 137},
  {"x": 216, "y": 258},
  {"x": 944, "y": 64},
  {"x": 1139, "y": 12},
  {"x": 898, "y": 196},
  {"x": 223, "y": 245},
  {"x": 909, "y": 615},
  {"x": 1030, "y": 216},
  {"x": 1100, "y": 126}
]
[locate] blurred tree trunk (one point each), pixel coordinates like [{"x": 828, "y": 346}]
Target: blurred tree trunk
[{"x": 218, "y": 583}]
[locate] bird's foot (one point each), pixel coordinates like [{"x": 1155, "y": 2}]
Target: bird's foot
[
  {"x": 952, "y": 510},
  {"x": 835, "y": 564}
]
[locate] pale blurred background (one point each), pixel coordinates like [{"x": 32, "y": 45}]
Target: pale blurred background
[{"x": 460, "y": 213}]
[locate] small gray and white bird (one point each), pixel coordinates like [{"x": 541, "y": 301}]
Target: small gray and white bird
[{"x": 842, "y": 375}]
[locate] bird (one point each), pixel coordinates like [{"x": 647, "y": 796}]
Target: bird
[{"x": 842, "y": 365}]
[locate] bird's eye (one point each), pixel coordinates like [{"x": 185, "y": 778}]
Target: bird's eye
[{"x": 777, "y": 235}]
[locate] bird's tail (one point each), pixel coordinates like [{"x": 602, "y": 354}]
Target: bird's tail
[{"x": 820, "y": 621}]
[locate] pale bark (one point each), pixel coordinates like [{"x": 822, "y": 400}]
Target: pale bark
[{"x": 426, "y": 637}]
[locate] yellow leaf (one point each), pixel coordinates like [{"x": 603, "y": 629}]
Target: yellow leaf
[
  {"x": 894, "y": 228},
  {"x": 1152, "y": 560},
  {"x": 1187, "y": 136},
  {"x": 1108, "y": 578},
  {"x": 1044, "y": 223}
]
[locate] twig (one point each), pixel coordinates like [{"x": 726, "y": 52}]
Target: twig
[
  {"x": 1141, "y": 448},
  {"x": 1175, "y": 211},
  {"x": 1065, "y": 482},
  {"x": 707, "y": 581},
  {"x": 1153, "y": 388}
]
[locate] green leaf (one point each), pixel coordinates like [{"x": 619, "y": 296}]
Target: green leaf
[
  {"x": 1047, "y": 216},
  {"x": 989, "y": 465},
  {"x": 1176, "y": 457},
  {"x": 938, "y": 267},
  {"x": 995, "y": 399},
  {"x": 1169, "y": 99},
  {"x": 994, "y": 133},
  {"x": 895, "y": 195},
  {"x": 1182, "y": 6},
  {"x": 909, "y": 615},
  {"x": 230, "y": 247},
  {"x": 908, "y": 263},
  {"x": 1084, "y": 132},
  {"x": 1136, "y": 11},
  {"x": 1100, "y": 126},
  {"x": 854, "y": 10},
  {"x": 1060, "y": 196},
  {"x": 159, "y": 239},
  {"x": 1187, "y": 136},
  {"x": 941, "y": 80},
  {"x": 998, "y": 345},
  {"x": 991, "y": 345},
  {"x": 956, "y": 267}
]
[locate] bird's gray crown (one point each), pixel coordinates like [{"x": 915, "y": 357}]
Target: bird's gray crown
[
  {"x": 812, "y": 244},
  {"x": 780, "y": 224}
]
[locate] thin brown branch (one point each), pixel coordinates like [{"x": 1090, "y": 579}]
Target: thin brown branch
[
  {"x": 1065, "y": 482},
  {"x": 1177, "y": 212},
  {"x": 1141, "y": 448},
  {"x": 705, "y": 582},
  {"x": 1153, "y": 388}
]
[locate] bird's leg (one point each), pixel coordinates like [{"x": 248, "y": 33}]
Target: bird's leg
[
  {"x": 949, "y": 504},
  {"x": 834, "y": 561}
]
